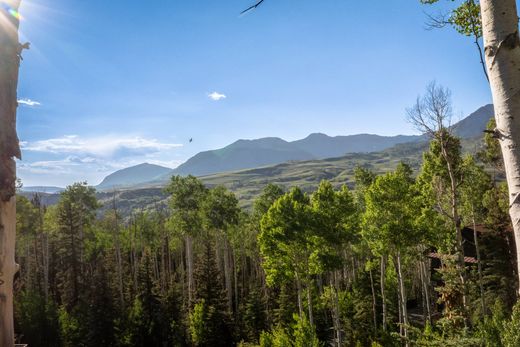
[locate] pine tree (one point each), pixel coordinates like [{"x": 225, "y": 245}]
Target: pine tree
[{"x": 211, "y": 311}]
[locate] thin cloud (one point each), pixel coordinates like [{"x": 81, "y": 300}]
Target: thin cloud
[
  {"x": 28, "y": 102},
  {"x": 104, "y": 147},
  {"x": 215, "y": 96}
]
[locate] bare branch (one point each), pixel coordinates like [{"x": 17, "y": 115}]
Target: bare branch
[
  {"x": 258, "y": 3},
  {"x": 437, "y": 21},
  {"x": 432, "y": 113}
]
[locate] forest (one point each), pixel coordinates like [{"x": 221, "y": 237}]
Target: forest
[{"x": 403, "y": 259}]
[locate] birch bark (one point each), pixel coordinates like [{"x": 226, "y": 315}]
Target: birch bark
[
  {"x": 10, "y": 50},
  {"x": 502, "y": 51}
]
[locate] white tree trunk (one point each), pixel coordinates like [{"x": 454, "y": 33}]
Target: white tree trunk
[
  {"x": 402, "y": 297},
  {"x": 189, "y": 265},
  {"x": 10, "y": 50},
  {"x": 383, "y": 294},
  {"x": 227, "y": 275},
  {"x": 8, "y": 269},
  {"x": 502, "y": 50}
]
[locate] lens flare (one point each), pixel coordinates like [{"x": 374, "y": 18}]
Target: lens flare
[{"x": 14, "y": 13}]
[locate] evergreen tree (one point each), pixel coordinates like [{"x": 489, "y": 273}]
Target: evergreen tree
[{"x": 210, "y": 322}]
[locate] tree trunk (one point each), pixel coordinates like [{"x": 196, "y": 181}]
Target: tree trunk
[
  {"x": 227, "y": 275},
  {"x": 374, "y": 302},
  {"x": 299, "y": 287},
  {"x": 426, "y": 283},
  {"x": 402, "y": 296},
  {"x": 189, "y": 265},
  {"x": 119, "y": 261},
  {"x": 8, "y": 269},
  {"x": 383, "y": 294},
  {"x": 502, "y": 50},
  {"x": 10, "y": 50},
  {"x": 235, "y": 282},
  {"x": 309, "y": 302},
  {"x": 479, "y": 265},
  {"x": 336, "y": 311}
]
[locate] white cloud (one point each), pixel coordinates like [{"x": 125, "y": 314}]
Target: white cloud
[
  {"x": 99, "y": 147},
  {"x": 28, "y": 102},
  {"x": 63, "y": 160},
  {"x": 215, "y": 96}
]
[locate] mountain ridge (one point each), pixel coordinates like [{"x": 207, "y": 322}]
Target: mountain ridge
[{"x": 245, "y": 154}]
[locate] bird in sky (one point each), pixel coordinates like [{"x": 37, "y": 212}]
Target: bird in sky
[{"x": 191, "y": 140}]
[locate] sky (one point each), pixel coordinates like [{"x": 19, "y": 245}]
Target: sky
[{"x": 111, "y": 84}]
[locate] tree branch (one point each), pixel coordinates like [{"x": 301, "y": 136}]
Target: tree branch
[{"x": 252, "y": 7}]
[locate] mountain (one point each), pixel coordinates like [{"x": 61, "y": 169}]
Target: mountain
[
  {"x": 250, "y": 154},
  {"x": 323, "y": 146},
  {"x": 242, "y": 154},
  {"x": 475, "y": 123},
  {"x": 247, "y": 184},
  {"x": 133, "y": 175}
]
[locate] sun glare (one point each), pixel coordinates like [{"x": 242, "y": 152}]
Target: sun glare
[{"x": 9, "y": 10}]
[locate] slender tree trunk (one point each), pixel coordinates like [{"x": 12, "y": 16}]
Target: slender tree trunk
[
  {"x": 402, "y": 296},
  {"x": 374, "y": 302},
  {"x": 461, "y": 266},
  {"x": 117, "y": 245},
  {"x": 383, "y": 293},
  {"x": 299, "y": 287},
  {"x": 235, "y": 282},
  {"x": 8, "y": 269},
  {"x": 425, "y": 282},
  {"x": 10, "y": 50},
  {"x": 45, "y": 250},
  {"x": 189, "y": 265},
  {"x": 227, "y": 275},
  {"x": 309, "y": 301},
  {"x": 337, "y": 318},
  {"x": 502, "y": 50},
  {"x": 479, "y": 264}
]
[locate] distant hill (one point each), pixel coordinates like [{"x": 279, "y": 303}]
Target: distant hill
[
  {"x": 133, "y": 175},
  {"x": 322, "y": 146},
  {"x": 42, "y": 189}
]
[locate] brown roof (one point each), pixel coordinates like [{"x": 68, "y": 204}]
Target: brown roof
[{"x": 436, "y": 255}]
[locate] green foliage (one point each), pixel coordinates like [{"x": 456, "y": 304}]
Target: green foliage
[
  {"x": 491, "y": 154},
  {"x": 304, "y": 334},
  {"x": 198, "y": 318},
  {"x": 491, "y": 328},
  {"x": 213, "y": 311},
  {"x": 277, "y": 338},
  {"x": 38, "y": 319},
  {"x": 510, "y": 336},
  {"x": 70, "y": 329},
  {"x": 187, "y": 195},
  {"x": 465, "y": 18},
  {"x": 451, "y": 293},
  {"x": 389, "y": 220},
  {"x": 255, "y": 318},
  {"x": 301, "y": 334}
]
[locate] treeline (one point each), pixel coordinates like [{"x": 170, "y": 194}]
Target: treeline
[{"x": 382, "y": 265}]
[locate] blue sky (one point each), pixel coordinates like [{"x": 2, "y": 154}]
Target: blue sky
[{"x": 109, "y": 84}]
